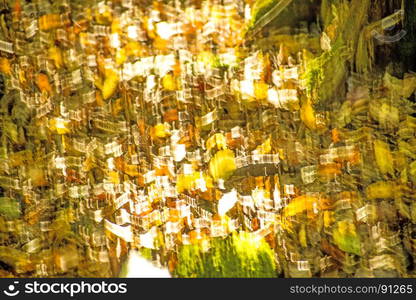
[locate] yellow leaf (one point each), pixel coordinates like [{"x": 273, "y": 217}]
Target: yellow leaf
[
  {"x": 115, "y": 26},
  {"x": 49, "y": 21},
  {"x": 207, "y": 58},
  {"x": 380, "y": 189},
  {"x": 110, "y": 84},
  {"x": 184, "y": 182},
  {"x": 59, "y": 125},
  {"x": 121, "y": 56},
  {"x": 169, "y": 83},
  {"x": 37, "y": 176},
  {"x": 299, "y": 205},
  {"x": 302, "y": 236},
  {"x": 384, "y": 157},
  {"x": 56, "y": 55},
  {"x": 328, "y": 218},
  {"x": 159, "y": 43},
  {"x": 113, "y": 177},
  {"x": 131, "y": 170},
  {"x": 133, "y": 49},
  {"x": 217, "y": 140},
  {"x": 260, "y": 90},
  {"x": 222, "y": 165},
  {"x": 161, "y": 130},
  {"x": 266, "y": 147},
  {"x": 307, "y": 115}
]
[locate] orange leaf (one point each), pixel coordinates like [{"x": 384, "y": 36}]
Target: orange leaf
[{"x": 43, "y": 83}]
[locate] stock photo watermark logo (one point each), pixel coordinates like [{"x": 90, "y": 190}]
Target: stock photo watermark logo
[
  {"x": 388, "y": 24},
  {"x": 70, "y": 289},
  {"x": 11, "y": 289}
]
